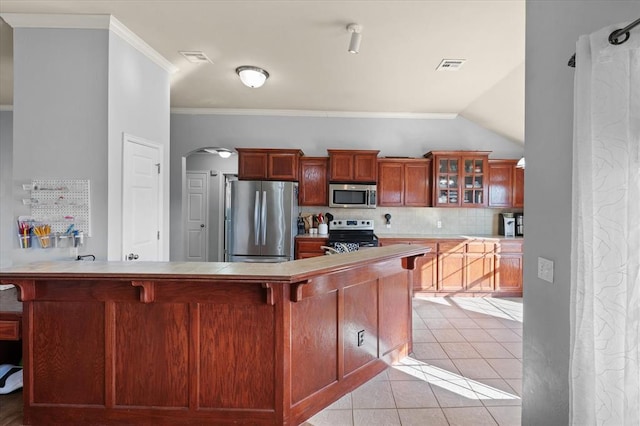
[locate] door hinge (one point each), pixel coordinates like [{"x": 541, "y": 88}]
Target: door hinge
[
  {"x": 158, "y": 166},
  {"x": 158, "y": 235}
]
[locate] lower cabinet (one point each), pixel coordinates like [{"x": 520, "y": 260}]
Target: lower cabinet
[
  {"x": 477, "y": 267},
  {"x": 309, "y": 247}
]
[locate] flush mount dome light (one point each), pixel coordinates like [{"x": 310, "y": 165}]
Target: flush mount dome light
[
  {"x": 251, "y": 76},
  {"x": 222, "y": 152}
]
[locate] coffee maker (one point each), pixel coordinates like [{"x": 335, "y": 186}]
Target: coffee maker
[
  {"x": 519, "y": 224},
  {"x": 507, "y": 224}
]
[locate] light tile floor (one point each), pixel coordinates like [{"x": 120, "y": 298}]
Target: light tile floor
[{"x": 466, "y": 369}]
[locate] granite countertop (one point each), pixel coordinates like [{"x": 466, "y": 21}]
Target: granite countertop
[
  {"x": 288, "y": 272},
  {"x": 448, "y": 236}
]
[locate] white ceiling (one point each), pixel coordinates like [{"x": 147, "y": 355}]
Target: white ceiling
[{"x": 303, "y": 45}]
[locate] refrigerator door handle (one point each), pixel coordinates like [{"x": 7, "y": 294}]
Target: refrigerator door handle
[
  {"x": 264, "y": 217},
  {"x": 256, "y": 219}
]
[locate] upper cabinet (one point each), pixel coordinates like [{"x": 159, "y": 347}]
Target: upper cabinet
[
  {"x": 460, "y": 178},
  {"x": 268, "y": 164},
  {"x": 353, "y": 165},
  {"x": 313, "y": 189},
  {"x": 404, "y": 182},
  {"x": 506, "y": 184}
]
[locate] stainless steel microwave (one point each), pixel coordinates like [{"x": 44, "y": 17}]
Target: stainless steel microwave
[{"x": 352, "y": 196}]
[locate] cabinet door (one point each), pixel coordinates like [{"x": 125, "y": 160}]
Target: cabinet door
[
  {"x": 425, "y": 275},
  {"x": 313, "y": 189},
  {"x": 416, "y": 184},
  {"x": 391, "y": 183},
  {"x": 252, "y": 165},
  {"x": 479, "y": 272},
  {"x": 309, "y": 247},
  {"x": 341, "y": 167},
  {"x": 473, "y": 178},
  {"x": 365, "y": 167},
  {"x": 518, "y": 188},
  {"x": 501, "y": 183},
  {"x": 509, "y": 272},
  {"x": 447, "y": 185},
  {"x": 451, "y": 266},
  {"x": 283, "y": 166}
]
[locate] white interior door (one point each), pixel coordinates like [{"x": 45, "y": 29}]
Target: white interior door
[
  {"x": 141, "y": 199},
  {"x": 197, "y": 217}
]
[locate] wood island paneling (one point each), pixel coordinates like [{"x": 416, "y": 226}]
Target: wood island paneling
[{"x": 208, "y": 343}]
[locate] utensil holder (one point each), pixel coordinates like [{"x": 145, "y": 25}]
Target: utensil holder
[
  {"x": 25, "y": 241},
  {"x": 323, "y": 229},
  {"x": 45, "y": 241}
]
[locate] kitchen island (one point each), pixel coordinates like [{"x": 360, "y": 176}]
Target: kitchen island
[{"x": 208, "y": 343}]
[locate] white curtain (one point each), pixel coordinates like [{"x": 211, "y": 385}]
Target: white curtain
[{"x": 605, "y": 272}]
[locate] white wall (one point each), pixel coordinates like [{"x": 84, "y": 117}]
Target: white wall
[
  {"x": 60, "y": 121},
  {"x": 75, "y": 93},
  {"x": 314, "y": 135},
  {"x": 138, "y": 105},
  {"x": 8, "y": 228},
  {"x": 551, "y": 33}
]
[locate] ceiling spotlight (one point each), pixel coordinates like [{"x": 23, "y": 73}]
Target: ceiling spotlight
[
  {"x": 251, "y": 76},
  {"x": 354, "y": 44}
]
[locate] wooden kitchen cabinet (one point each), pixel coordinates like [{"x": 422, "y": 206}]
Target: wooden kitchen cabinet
[
  {"x": 506, "y": 184},
  {"x": 479, "y": 266},
  {"x": 518, "y": 188},
  {"x": 509, "y": 267},
  {"x": 268, "y": 164},
  {"x": 425, "y": 276},
  {"x": 404, "y": 182},
  {"x": 451, "y": 264},
  {"x": 467, "y": 267},
  {"x": 306, "y": 247},
  {"x": 459, "y": 178},
  {"x": 347, "y": 165},
  {"x": 313, "y": 188}
]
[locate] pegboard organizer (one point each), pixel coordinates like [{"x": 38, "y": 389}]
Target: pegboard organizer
[{"x": 60, "y": 203}]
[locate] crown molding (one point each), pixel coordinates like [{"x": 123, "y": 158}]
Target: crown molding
[
  {"x": 88, "y": 22},
  {"x": 308, "y": 113}
]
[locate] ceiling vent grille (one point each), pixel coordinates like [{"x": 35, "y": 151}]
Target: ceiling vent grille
[
  {"x": 196, "y": 57},
  {"x": 450, "y": 64}
]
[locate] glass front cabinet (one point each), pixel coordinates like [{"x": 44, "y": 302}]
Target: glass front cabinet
[{"x": 460, "y": 178}]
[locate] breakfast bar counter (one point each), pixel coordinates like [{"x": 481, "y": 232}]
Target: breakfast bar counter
[{"x": 208, "y": 343}]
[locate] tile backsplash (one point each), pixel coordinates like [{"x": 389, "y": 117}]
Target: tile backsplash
[{"x": 423, "y": 221}]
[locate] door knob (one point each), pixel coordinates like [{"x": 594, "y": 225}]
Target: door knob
[
  {"x": 202, "y": 225},
  {"x": 132, "y": 256}
]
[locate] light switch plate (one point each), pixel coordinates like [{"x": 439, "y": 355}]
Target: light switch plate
[{"x": 545, "y": 269}]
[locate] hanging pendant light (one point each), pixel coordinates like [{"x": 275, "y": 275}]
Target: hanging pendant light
[{"x": 251, "y": 76}]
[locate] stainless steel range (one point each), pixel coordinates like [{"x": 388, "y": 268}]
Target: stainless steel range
[{"x": 355, "y": 231}]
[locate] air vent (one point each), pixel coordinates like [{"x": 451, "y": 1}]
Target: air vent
[
  {"x": 196, "y": 57},
  {"x": 450, "y": 64}
]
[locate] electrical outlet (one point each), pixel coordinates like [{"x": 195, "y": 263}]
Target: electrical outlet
[
  {"x": 360, "y": 337},
  {"x": 545, "y": 269},
  {"x": 439, "y": 224}
]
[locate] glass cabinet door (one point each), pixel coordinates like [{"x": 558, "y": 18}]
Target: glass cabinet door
[
  {"x": 448, "y": 173},
  {"x": 474, "y": 171}
]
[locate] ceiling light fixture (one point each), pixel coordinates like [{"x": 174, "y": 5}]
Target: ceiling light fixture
[
  {"x": 251, "y": 76},
  {"x": 356, "y": 37},
  {"x": 222, "y": 152}
]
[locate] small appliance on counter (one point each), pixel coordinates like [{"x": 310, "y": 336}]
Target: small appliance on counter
[
  {"x": 519, "y": 224},
  {"x": 507, "y": 224}
]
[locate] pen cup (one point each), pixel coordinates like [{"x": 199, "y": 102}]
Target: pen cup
[
  {"x": 25, "y": 241},
  {"x": 45, "y": 241}
]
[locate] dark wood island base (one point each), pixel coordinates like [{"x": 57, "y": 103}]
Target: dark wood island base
[{"x": 208, "y": 343}]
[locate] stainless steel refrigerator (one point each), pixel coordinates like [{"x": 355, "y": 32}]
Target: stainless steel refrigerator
[{"x": 262, "y": 221}]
